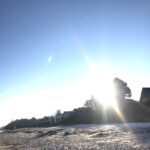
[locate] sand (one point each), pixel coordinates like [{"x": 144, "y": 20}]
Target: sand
[{"x": 76, "y": 138}]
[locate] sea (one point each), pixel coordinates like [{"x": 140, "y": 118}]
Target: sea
[
  {"x": 1, "y": 131},
  {"x": 115, "y": 125},
  {"x": 109, "y": 126}
]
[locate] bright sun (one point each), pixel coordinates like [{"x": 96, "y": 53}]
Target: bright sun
[{"x": 99, "y": 79}]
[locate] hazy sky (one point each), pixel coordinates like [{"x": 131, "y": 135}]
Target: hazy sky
[{"x": 46, "y": 47}]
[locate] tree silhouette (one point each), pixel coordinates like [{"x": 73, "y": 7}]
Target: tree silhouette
[
  {"x": 121, "y": 89},
  {"x": 90, "y": 103},
  {"x": 58, "y": 116}
]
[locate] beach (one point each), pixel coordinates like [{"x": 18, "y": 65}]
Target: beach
[{"x": 79, "y": 137}]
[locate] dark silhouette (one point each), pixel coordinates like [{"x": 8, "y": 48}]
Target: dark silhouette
[
  {"x": 91, "y": 103},
  {"x": 121, "y": 89},
  {"x": 94, "y": 112},
  {"x": 33, "y": 122},
  {"x": 145, "y": 96},
  {"x": 58, "y": 117}
]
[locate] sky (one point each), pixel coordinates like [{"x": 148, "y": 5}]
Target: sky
[{"x": 55, "y": 54}]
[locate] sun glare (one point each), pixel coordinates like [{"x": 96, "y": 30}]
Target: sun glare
[{"x": 100, "y": 81}]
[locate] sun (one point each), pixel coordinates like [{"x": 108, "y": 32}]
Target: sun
[{"x": 99, "y": 78}]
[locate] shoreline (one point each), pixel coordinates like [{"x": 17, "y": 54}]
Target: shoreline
[{"x": 129, "y": 124}]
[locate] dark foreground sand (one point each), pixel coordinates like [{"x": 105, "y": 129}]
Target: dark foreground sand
[{"x": 76, "y": 138}]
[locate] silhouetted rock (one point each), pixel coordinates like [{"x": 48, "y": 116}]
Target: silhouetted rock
[
  {"x": 145, "y": 96},
  {"x": 132, "y": 111}
]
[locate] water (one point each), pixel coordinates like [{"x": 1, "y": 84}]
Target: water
[
  {"x": 1, "y": 131},
  {"x": 109, "y": 126}
]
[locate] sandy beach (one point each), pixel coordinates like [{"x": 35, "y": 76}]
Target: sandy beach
[{"x": 77, "y": 138}]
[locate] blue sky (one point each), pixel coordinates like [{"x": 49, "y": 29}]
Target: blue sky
[{"x": 44, "y": 46}]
